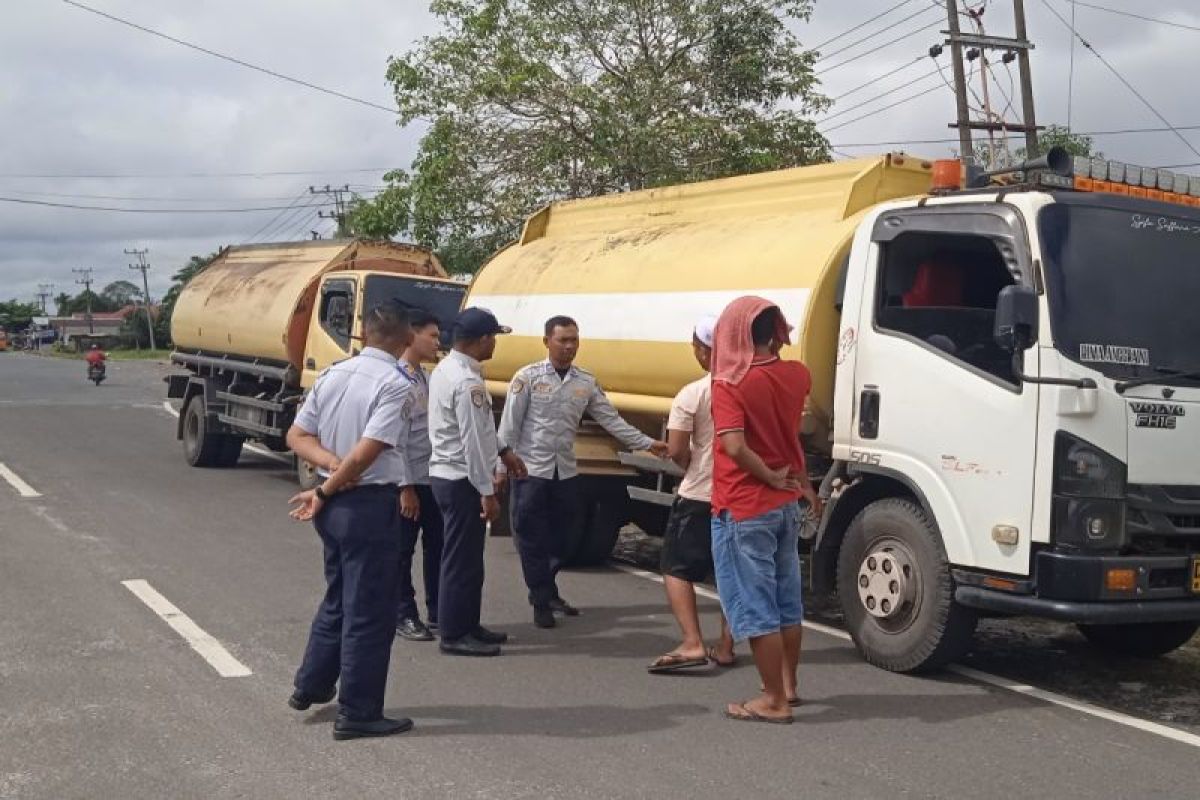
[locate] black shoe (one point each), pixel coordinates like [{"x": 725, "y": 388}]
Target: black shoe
[
  {"x": 543, "y": 617},
  {"x": 432, "y": 625},
  {"x": 344, "y": 729},
  {"x": 302, "y": 701},
  {"x": 560, "y": 606},
  {"x": 412, "y": 629},
  {"x": 469, "y": 646},
  {"x": 488, "y": 636}
]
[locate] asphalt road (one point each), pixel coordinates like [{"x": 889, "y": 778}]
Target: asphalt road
[{"x": 101, "y": 698}]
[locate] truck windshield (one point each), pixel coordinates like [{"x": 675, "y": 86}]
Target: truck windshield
[
  {"x": 1122, "y": 281},
  {"x": 438, "y": 298}
]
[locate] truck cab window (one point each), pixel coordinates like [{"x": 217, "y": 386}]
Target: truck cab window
[
  {"x": 337, "y": 311},
  {"x": 941, "y": 290}
]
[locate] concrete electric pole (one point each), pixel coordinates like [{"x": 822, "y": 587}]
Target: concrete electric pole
[
  {"x": 339, "y": 203},
  {"x": 980, "y": 44},
  {"x": 45, "y": 292},
  {"x": 143, "y": 266},
  {"x": 86, "y": 282}
]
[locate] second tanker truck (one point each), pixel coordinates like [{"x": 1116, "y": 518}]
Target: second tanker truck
[
  {"x": 1005, "y": 412},
  {"x": 258, "y": 324}
]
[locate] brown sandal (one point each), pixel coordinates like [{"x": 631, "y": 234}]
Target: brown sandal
[{"x": 749, "y": 715}]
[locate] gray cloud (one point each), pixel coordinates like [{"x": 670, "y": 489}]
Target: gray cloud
[{"x": 83, "y": 95}]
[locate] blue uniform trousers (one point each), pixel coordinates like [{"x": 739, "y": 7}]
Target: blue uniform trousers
[
  {"x": 544, "y": 510},
  {"x": 351, "y": 637},
  {"x": 428, "y": 527},
  {"x": 460, "y": 590}
]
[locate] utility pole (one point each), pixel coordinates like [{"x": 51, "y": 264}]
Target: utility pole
[
  {"x": 980, "y": 44},
  {"x": 86, "y": 282},
  {"x": 143, "y": 266},
  {"x": 963, "y": 115},
  {"x": 45, "y": 292},
  {"x": 339, "y": 203}
]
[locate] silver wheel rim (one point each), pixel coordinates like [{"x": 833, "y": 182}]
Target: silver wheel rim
[{"x": 889, "y": 584}]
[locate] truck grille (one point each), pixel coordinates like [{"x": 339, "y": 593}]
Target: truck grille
[{"x": 1164, "y": 519}]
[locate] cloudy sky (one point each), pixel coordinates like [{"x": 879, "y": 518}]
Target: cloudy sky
[{"x": 96, "y": 113}]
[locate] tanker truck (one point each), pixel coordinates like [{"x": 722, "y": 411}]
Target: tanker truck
[
  {"x": 1005, "y": 410},
  {"x": 257, "y": 325}
]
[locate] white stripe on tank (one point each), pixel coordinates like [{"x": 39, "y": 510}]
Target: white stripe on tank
[{"x": 631, "y": 316}]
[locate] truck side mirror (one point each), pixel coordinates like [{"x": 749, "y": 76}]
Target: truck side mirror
[{"x": 1016, "y": 318}]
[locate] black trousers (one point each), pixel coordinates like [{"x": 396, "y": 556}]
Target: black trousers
[
  {"x": 351, "y": 637},
  {"x": 460, "y": 590},
  {"x": 427, "y": 527},
  {"x": 544, "y": 510}
]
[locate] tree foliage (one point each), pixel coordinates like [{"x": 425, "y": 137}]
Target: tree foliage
[
  {"x": 16, "y": 315},
  {"x": 79, "y": 304},
  {"x": 1061, "y": 136},
  {"x": 122, "y": 293},
  {"x": 531, "y": 101},
  {"x": 162, "y": 326}
]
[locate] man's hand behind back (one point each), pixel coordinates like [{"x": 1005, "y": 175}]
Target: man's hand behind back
[{"x": 490, "y": 508}]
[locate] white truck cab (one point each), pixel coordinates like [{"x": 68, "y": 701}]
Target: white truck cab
[{"x": 1017, "y": 415}]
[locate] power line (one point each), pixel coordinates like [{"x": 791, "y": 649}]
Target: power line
[
  {"x": 861, "y": 25},
  {"x": 875, "y": 50},
  {"x": 1120, "y": 77},
  {"x": 231, "y": 59},
  {"x": 908, "y": 99},
  {"x": 1138, "y": 16},
  {"x": 285, "y": 219},
  {"x": 1119, "y": 132},
  {"x": 889, "y": 92},
  {"x": 174, "y": 175},
  {"x": 299, "y": 195},
  {"x": 878, "y": 78},
  {"x": 890, "y": 26},
  {"x": 148, "y": 199},
  {"x": 26, "y": 201}
]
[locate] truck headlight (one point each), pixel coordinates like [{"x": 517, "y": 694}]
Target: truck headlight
[{"x": 1089, "y": 496}]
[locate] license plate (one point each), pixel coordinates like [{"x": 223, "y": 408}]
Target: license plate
[{"x": 1195, "y": 574}]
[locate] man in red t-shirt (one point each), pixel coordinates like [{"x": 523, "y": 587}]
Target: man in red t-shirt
[
  {"x": 758, "y": 476},
  {"x": 95, "y": 356}
]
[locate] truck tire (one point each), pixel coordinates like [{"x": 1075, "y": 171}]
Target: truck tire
[
  {"x": 896, "y": 590},
  {"x": 605, "y": 512},
  {"x": 306, "y": 474},
  {"x": 1146, "y": 640},
  {"x": 231, "y": 451},
  {"x": 201, "y": 448}
]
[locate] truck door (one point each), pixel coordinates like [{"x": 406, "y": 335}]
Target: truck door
[
  {"x": 936, "y": 401},
  {"x": 330, "y": 332}
]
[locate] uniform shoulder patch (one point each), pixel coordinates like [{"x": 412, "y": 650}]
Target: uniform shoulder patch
[
  {"x": 518, "y": 385},
  {"x": 479, "y": 396}
]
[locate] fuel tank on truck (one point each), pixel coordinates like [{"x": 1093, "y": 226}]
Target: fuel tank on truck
[
  {"x": 637, "y": 270},
  {"x": 256, "y": 301}
]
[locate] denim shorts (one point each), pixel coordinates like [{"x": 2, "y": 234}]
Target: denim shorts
[{"x": 757, "y": 564}]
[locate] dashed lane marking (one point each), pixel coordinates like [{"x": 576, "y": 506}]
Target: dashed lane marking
[
  {"x": 209, "y": 648},
  {"x": 14, "y": 480},
  {"x": 262, "y": 451},
  {"x": 979, "y": 676}
]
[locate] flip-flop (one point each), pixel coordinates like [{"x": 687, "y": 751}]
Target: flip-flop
[
  {"x": 752, "y": 716},
  {"x": 795, "y": 702},
  {"x": 712, "y": 656},
  {"x": 672, "y": 662}
]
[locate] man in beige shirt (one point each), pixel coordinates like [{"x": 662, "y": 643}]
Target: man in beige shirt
[{"x": 687, "y": 543}]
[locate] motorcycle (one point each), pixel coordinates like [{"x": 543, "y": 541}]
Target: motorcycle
[{"x": 96, "y": 372}]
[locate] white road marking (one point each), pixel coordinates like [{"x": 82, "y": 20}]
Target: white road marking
[
  {"x": 979, "y": 676},
  {"x": 262, "y": 451},
  {"x": 14, "y": 480},
  {"x": 209, "y": 648}
]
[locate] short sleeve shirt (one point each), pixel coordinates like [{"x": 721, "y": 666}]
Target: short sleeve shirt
[
  {"x": 692, "y": 411},
  {"x": 766, "y": 406}
]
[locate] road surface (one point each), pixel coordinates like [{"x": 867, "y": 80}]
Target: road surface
[{"x": 101, "y": 697}]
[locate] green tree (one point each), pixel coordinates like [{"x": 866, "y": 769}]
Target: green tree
[
  {"x": 1060, "y": 136},
  {"x": 15, "y": 315},
  {"x": 62, "y": 303},
  {"x": 79, "y": 303},
  {"x": 122, "y": 293},
  {"x": 531, "y": 101}
]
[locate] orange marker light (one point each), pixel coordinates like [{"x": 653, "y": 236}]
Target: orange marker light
[
  {"x": 947, "y": 175},
  {"x": 1120, "y": 580}
]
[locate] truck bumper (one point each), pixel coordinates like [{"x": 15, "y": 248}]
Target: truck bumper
[{"x": 1074, "y": 587}]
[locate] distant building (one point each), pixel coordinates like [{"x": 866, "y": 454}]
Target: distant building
[{"x": 104, "y": 328}]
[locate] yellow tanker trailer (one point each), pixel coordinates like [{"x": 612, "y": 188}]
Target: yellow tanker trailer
[
  {"x": 257, "y": 325},
  {"x": 637, "y": 270}
]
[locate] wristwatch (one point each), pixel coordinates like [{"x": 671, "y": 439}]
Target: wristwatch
[{"x": 321, "y": 494}]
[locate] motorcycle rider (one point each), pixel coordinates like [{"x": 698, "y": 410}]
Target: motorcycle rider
[{"x": 95, "y": 359}]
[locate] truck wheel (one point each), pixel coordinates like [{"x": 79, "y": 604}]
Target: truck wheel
[
  {"x": 306, "y": 474},
  {"x": 1147, "y": 640},
  {"x": 598, "y": 530},
  {"x": 231, "y": 451},
  {"x": 201, "y": 448},
  {"x": 896, "y": 591}
]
